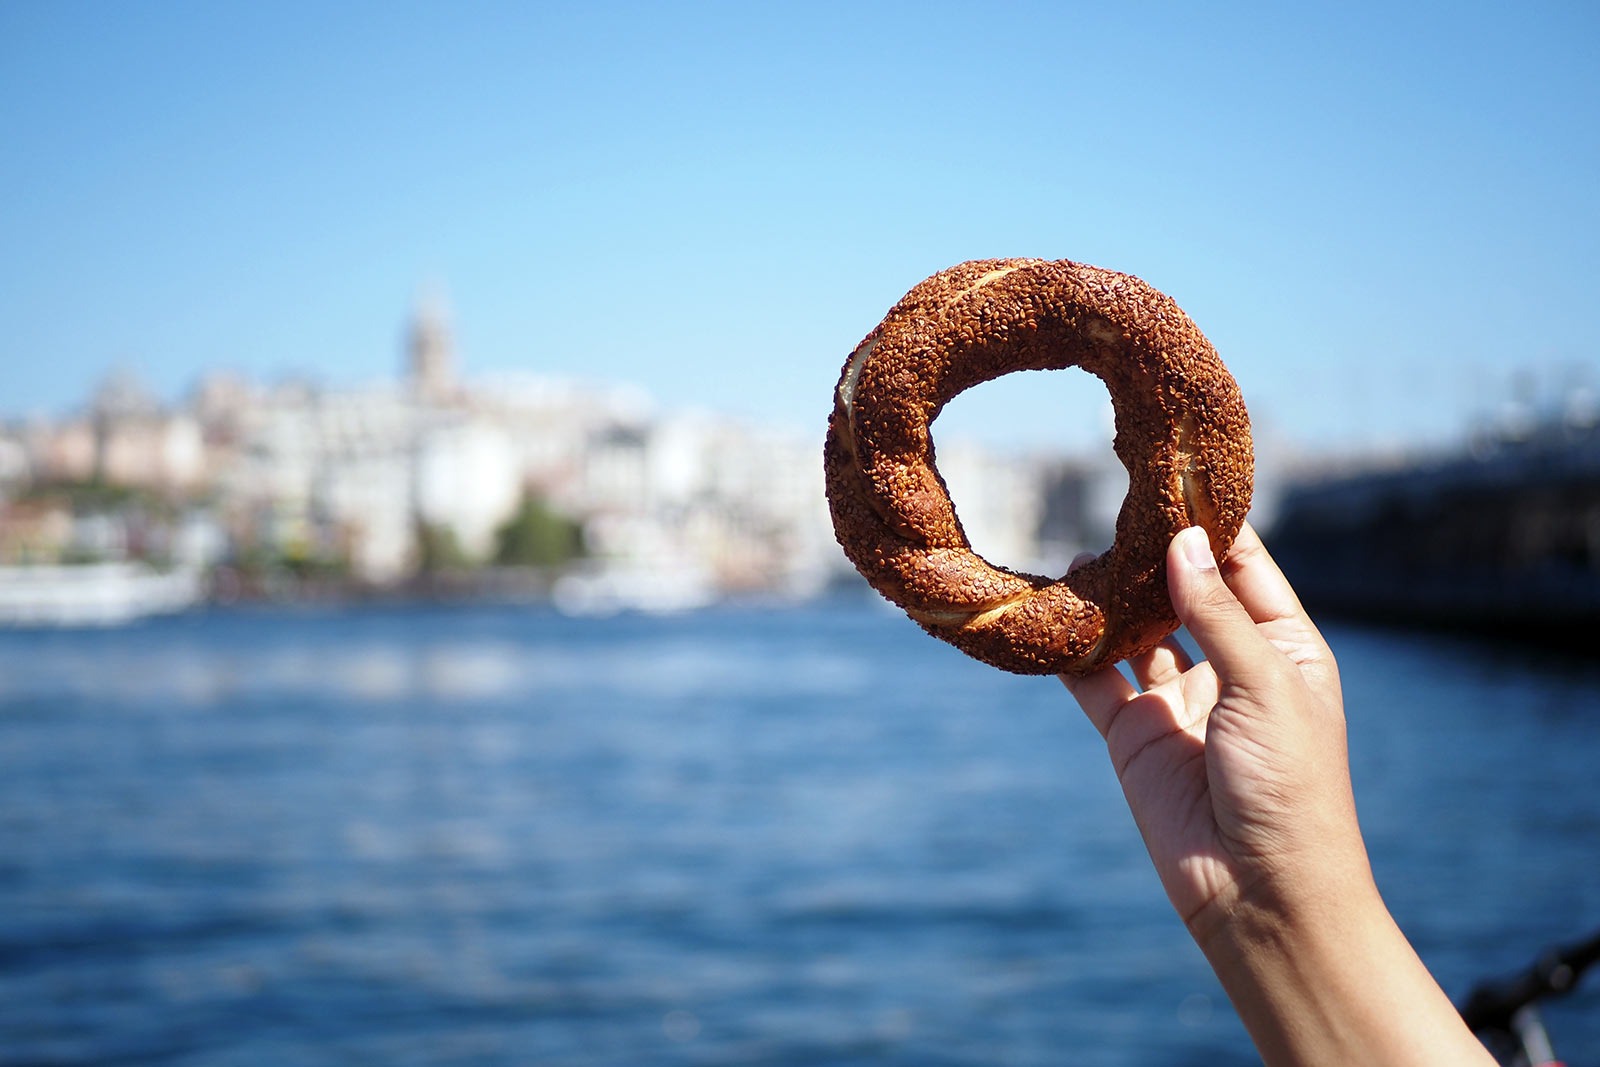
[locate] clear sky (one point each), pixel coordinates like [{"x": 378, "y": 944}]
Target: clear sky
[{"x": 1380, "y": 213}]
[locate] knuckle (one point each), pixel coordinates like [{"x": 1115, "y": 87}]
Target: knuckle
[
  {"x": 1241, "y": 556},
  {"x": 1214, "y": 598}
]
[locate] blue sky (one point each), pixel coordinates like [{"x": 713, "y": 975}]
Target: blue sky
[{"x": 1379, "y": 215}]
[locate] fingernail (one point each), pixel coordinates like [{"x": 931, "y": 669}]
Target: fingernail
[{"x": 1196, "y": 545}]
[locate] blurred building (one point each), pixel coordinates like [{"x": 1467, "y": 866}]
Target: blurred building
[
  {"x": 378, "y": 480},
  {"x": 466, "y": 478},
  {"x": 160, "y": 451},
  {"x": 431, "y": 356}
]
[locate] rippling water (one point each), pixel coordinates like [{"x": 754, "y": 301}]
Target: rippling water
[{"x": 494, "y": 836}]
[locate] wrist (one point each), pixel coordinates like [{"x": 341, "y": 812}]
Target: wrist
[
  {"x": 1328, "y": 978},
  {"x": 1295, "y": 894}
]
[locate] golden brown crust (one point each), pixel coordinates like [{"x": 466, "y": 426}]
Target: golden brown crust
[{"x": 1182, "y": 432}]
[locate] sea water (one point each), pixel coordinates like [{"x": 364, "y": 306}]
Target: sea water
[{"x": 491, "y": 835}]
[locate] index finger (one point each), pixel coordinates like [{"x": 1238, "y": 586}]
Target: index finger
[
  {"x": 1270, "y": 600},
  {"x": 1256, "y": 580}
]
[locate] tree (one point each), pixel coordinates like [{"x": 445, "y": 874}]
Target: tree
[
  {"x": 437, "y": 549},
  {"x": 537, "y": 536}
]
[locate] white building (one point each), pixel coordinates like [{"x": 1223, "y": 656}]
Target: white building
[
  {"x": 357, "y": 472},
  {"x": 467, "y": 479}
]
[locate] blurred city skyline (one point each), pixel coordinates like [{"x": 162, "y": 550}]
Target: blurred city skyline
[{"x": 1381, "y": 218}]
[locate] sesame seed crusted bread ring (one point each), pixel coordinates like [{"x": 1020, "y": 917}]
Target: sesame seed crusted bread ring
[{"x": 1182, "y": 432}]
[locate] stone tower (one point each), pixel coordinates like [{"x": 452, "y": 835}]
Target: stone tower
[{"x": 430, "y": 351}]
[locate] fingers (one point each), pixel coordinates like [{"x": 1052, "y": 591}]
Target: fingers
[
  {"x": 1244, "y": 615},
  {"x": 1258, "y": 583},
  {"x": 1219, "y": 623},
  {"x": 1100, "y": 695},
  {"x": 1161, "y": 664}
]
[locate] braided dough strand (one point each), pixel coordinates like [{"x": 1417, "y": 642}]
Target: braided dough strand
[{"x": 1182, "y": 432}]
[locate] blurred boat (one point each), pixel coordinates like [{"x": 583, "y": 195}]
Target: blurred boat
[
  {"x": 1501, "y": 538},
  {"x": 98, "y": 594}
]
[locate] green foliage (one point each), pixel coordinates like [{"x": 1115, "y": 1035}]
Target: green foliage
[
  {"x": 536, "y": 536},
  {"x": 303, "y": 564},
  {"x": 297, "y": 560},
  {"x": 78, "y": 555},
  {"x": 438, "y": 550},
  {"x": 95, "y": 497}
]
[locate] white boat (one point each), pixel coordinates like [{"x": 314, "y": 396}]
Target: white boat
[{"x": 95, "y": 594}]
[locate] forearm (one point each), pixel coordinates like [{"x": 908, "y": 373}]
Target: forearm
[{"x": 1335, "y": 982}]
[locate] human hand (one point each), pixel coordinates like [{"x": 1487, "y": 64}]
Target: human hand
[
  {"x": 1235, "y": 768},
  {"x": 1237, "y": 774}
]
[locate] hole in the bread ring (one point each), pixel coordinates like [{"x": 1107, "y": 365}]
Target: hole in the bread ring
[{"x": 1028, "y": 462}]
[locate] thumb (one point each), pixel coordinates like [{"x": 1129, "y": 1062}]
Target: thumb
[{"x": 1216, "y": 620}]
